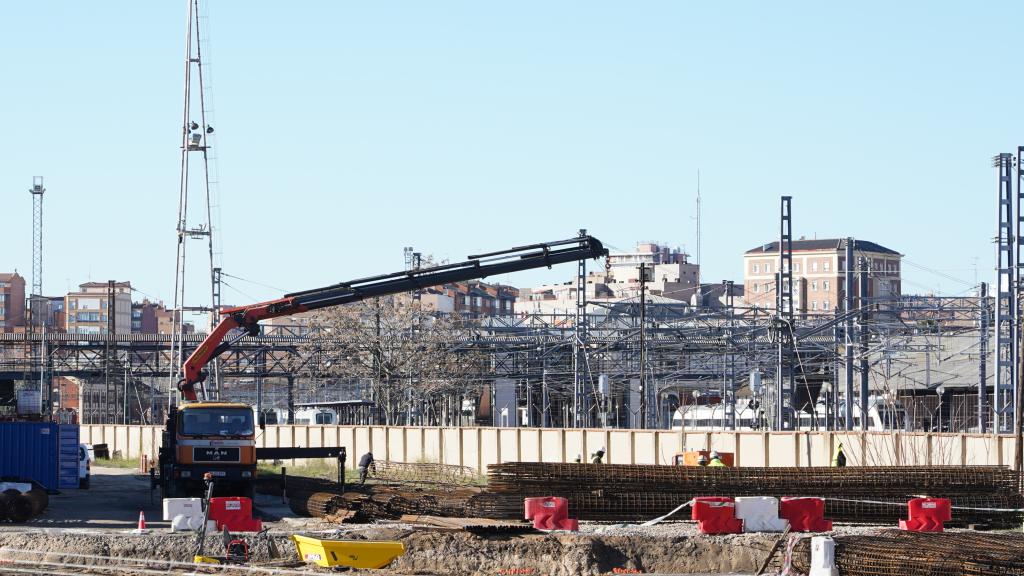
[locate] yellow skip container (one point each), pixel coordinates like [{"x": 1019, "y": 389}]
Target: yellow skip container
[{"x": 351, "y": 553}]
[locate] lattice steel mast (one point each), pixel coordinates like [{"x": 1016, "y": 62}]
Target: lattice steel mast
[
  {"x": 195, "y": 137},
  {"x": 1006, "y": 301}
]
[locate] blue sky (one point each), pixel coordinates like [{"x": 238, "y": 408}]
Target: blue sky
[{"x": 346, "y": 131}]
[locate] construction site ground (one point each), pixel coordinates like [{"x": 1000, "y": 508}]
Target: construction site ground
[{"x": 84, "y": 527}]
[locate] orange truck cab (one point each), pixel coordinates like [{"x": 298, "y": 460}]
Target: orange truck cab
[{"x": 214, "y": 437}]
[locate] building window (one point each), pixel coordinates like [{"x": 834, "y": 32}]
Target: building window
[
  {"x": 825, "y": 305},
  {"x": 814, "y": 266},
  {"x": 824, "y": 285},
  {"x": 757, "y": 268},
  {"x": 757, "y": 287},
  {"x": 826, "y": 265},
  {"x": 814, "y": 305},
  {"x": 768, "y": 268},
  {"x": 814, "y": 286},
  {"x": 796, "y": 267},
  {"x": 465, "y": 300}
]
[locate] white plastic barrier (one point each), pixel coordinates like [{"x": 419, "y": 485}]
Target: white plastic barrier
[
  {"x": 823, "y": 556},
  {"x": 187, "y": 507},
  {"x": 760, "y": 514}
]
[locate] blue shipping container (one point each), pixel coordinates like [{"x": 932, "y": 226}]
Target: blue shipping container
[{"x": 44, "y": 452}]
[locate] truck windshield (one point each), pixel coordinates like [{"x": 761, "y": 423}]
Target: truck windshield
[{"x": 217, "y": 422}]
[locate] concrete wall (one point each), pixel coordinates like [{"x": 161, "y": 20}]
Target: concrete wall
[{"x": 478, "y": 447}]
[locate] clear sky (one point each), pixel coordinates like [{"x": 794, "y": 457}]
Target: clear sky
[{"x": 346, "y": 131}]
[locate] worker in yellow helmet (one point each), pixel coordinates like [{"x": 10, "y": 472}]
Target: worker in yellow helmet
[
  {"x": 716, "y": 460},
  {"x": 839, "y": 458}
]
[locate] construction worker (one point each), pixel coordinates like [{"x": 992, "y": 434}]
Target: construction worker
[
  {"x": 598, "y": 456},
  {"x": 702, "y": 460},
  {"x": 716, "y": 460},
  {"x": 579, "y": 458},
  {"x": 839, "y": 459},
  {"x": 364, "y": 466}
]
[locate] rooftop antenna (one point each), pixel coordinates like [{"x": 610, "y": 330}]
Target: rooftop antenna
[{"x": 195, "y": 142}]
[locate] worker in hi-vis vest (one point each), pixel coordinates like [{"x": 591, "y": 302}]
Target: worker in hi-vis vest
[
  {"x": 839, "y": 458},
  {"x": 716, "y": 460}
]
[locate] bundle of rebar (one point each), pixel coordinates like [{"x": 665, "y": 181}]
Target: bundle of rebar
[
  {"x": 424, "y": 472},
  {"x": 899, "y": 553},
  {"x": 17, "y": 506},
  {"x": 984, "y": 495},
  {"x": 316, "y": 504}
]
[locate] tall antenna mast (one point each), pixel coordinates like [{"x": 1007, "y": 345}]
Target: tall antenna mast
[
  {"x": 700, "y": 295},
  {"x": 38, "y": 314},
  {"x": 195, "y": 180}
]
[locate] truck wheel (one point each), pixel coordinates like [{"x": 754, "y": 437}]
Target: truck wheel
[{"x": 83, "y": 483}]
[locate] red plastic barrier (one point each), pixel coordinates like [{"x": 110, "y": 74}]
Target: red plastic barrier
[
  {"x": 927, "y": 515},
  {"x": 805, "y": 514},
  {"x": 235, "y": 512},
  {"x": 555, "y": 506},
  {"x": 716, "y": 515},
  {"x": 550, "y": 513}
]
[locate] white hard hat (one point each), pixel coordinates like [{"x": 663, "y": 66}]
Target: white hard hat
[{"x": 714, "y": 453}]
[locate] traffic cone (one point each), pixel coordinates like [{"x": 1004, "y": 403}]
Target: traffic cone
[{"x": 142, "y": 524}]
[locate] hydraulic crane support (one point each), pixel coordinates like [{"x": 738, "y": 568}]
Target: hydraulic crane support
[{"x": 247, "y": 317}]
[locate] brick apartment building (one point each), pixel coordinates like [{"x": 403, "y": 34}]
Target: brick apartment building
[
  {"x": 475, "y": 298},
  {"x": 819, "y": 268},
  {"x": 12, "y": 303}
]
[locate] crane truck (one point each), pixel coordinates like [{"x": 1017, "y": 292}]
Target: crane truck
[{"x": 219, "y": 437}]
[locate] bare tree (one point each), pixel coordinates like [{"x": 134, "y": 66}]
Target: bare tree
[{"x": 416, "y": 360}]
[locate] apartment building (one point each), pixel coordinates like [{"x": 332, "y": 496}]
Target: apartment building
[
  {"x": 12, "y": 302},
  {"x": 672, "y": 276},
  {"x": 475, "y": 298},
  {"x": 86, "y": 311},
  {"x": 819, "y": 268}
]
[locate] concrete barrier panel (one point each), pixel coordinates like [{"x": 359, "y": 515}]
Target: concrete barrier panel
[
  {"x": 595, "y": 440},
  {"x": 552, "y": 444},
  {"x": 489, "y": 449},
  {"x": 644, "y": 449},
  {"x": 471, "y": 447},
  {"x": 575, "y": 445},
  {"x": 529, "y": 442},
  {"x": 396, "y": 445},
  {"x": 980, "y": 450},
  {"x": 620, "y": 448},
  {"x": 510, "y": 444}
]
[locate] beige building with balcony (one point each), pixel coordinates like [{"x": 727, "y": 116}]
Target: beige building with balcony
[
  {"x": 86, "y": 311},
  {"x": 819, "y": 269}
]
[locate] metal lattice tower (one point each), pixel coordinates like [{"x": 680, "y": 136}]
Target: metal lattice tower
[
  {"x": 581, "y": 412},
  {"x": 848, "y": 329},
  {"x": 983, "y": 354},
  {"x": 36, "y": 311},
  {"x": 784, "y": 319},
  {"x": 195, "y": 181},
  {"x": 1006, "y": 301}
]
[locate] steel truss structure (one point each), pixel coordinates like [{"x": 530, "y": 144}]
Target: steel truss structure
[{"x": 695, "y": 356}]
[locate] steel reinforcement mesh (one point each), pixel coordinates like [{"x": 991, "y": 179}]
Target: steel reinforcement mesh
[
  {"x": 898, "y": 553},
  {"x": 853, "y": 494}
]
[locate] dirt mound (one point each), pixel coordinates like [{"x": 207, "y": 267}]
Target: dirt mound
[{"x": 673, "y": 548}]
